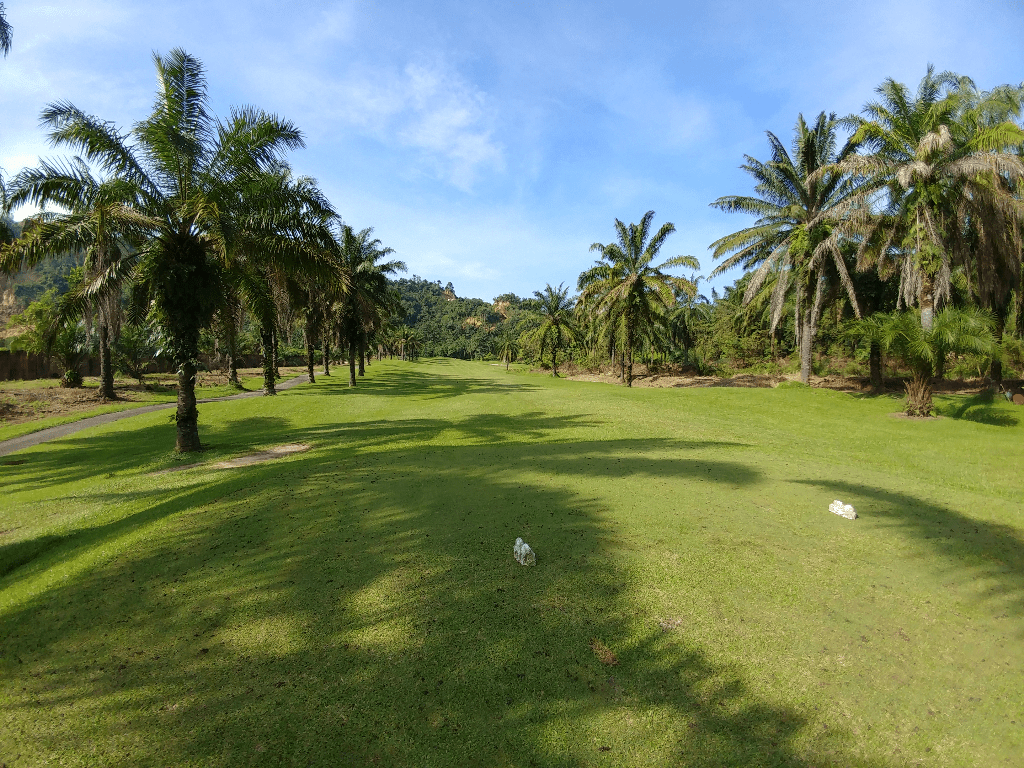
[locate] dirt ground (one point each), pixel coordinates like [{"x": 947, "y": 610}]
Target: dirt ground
[
  {"x": 642, "y": 378},
  {"x": 20, "y": 403}
]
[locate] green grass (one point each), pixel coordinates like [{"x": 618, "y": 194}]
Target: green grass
[{"x": 359, "y": 604}]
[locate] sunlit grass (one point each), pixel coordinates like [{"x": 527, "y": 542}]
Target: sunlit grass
[{"x": 694, "y": 602}]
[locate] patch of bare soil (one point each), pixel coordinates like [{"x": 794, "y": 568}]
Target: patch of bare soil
[
  {"x": 244, "y": 461},
  {"x": 839, "y": 383},
  {"x": 20, "y": 405}
]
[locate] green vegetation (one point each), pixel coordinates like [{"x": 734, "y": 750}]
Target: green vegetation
[{"x": 694, "y": 602}]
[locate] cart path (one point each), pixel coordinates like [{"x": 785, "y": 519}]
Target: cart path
[{"x": 63, "y": 430}]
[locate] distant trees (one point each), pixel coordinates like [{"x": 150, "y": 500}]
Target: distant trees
[{"x": 627, "y": 294}]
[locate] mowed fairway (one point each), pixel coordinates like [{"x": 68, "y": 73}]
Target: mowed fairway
[{"x": 694, "y": 602}]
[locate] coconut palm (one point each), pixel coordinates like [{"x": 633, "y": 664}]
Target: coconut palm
[
  {"x": 628, "y": 291},
  {"x": 795, "y": 195},
  {"x": 98, "y": 218},
  {"x": 936, "y": 186},
  {"x": 188, "y": 172},
  {"x": 558, "y": 325}
]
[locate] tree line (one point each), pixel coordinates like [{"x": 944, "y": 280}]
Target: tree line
[
  {"x": 191, "y": 225},
  {"x": 895, "y": 233}
]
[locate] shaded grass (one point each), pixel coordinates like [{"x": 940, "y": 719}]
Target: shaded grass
[{"x": 359, "y": 603}]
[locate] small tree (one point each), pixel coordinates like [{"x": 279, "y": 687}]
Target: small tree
[
  {"x": 558, "y": 326},
  {"x": 48, "y": 331},
  {"x": 507, "y": 346},
  {"x": 924, "y": 350}
]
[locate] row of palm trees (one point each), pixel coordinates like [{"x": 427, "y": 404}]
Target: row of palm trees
[
  {"x": 926, "y": 190},
  {"x": 199, "y": 221}
]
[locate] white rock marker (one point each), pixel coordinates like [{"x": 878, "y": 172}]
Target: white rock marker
[
  {"x": 523, "y": 554},
  {"x": 843, "y": 510}
]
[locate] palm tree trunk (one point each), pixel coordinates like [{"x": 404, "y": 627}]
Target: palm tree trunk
[
  {"x": 875, "y": 362},
  {"x": 231, "y": 342},
  {"x": 996, "y": 369},
  {"x": 186, "y": 416},
  {"x": 106, "y": 369},
  {"x": 554, "y": 361},
  {"x": 805, "y": 348},
  {"x": 310, "y": 352},
  {"x": 327, "y": 351},
  {"x": 351, "y": 362},
  {"x": 233, "y": 369},
  {"x": 362, "y": 359},
  {"x": 927, "y": 301},
  {"x": 267, "y": 337},
  {"x": 274, "y": 337},
  {"x": 629, "y": 357}
]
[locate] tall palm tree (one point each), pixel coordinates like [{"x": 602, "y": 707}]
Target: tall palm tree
[
  {"x": 790, "y": 241},
  {"x": 187, "y": 171},
  {"x": 628, "y": 290},
  {"x": 558, "y": 326},
  {"x": 280, "y": 232},
  {"x": 5, "y": 32},
  {"x": 370, "y": 297},
  {"x": 99, "y": 219},
  {"x": 936, "y": 185}
]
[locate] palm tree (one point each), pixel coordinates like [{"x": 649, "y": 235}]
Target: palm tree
[
  {"x": 628, "y": 291},
  {"x": 791, "y": 239},
  {"x": 5, "y": 32},
  {"x": 187, "y": 172},
  {"x": 369, "y": 297},
  {"x": 100, "y": 220},
  {"x": 507, "y": 346},
  {"x": 924, "y": 350},
  {"x": 558, "y": 326},
  {"x": 281, "y": 234},
  {"x": 937, "y": 186}
]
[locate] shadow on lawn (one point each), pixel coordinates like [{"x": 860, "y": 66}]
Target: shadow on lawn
[
  {"x": 981, "y": 408},
  {"x": 974, "y": 549},
  {"x": 359, "y": 605},
  {"x": 427, "y": 383}
]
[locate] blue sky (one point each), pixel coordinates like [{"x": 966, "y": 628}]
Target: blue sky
[{"x": 491, "y": 143}]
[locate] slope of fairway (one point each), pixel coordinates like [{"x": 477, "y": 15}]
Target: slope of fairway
[{"x": 693, "y": 603}]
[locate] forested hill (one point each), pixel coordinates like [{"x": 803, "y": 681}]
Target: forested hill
[{"x": 451, "y": 326}]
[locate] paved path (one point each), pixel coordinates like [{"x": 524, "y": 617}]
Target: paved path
[{"x": 54, "y": 433}]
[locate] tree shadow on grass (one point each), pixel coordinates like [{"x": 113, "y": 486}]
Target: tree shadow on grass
[
  {"x": 982, "y": 409},
  {"x": 975, "y": 549},
  {"x": 353, "y": 606},
  {"x": 425, "y": 384},
  {"x": 98, "y": 457}
]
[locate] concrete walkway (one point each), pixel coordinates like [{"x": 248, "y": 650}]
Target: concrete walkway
[{"x": 55, "y": 433}]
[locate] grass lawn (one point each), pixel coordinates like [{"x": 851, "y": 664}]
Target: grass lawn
[{"x": 693, "y": 603}]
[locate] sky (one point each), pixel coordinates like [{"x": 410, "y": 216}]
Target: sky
[{"x": 491, "y": 143}]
